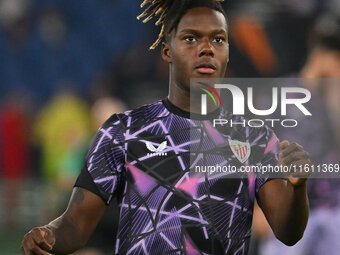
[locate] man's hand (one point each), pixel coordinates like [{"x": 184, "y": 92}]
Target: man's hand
[
  {"x": 69, "y": 232},
  {"x": 294, "y": 156},
  {"x": 38, "y": 241}
]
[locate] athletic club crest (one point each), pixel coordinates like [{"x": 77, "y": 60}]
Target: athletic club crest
[{"x": 240, "y": 149}]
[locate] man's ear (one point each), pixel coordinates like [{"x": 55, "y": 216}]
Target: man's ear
[{"x": 166, "y": 52}]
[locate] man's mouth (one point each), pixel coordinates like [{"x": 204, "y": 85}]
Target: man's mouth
[{"x": 206, "y": 68}]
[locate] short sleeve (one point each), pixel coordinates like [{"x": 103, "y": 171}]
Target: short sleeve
[
  {"x": 105, "y": 160},
  {"x": 85, "y": 181},
  {"x": 271, "y": 147}
]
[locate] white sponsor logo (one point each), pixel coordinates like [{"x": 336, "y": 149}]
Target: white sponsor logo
[{"x": 156, "y": 151}]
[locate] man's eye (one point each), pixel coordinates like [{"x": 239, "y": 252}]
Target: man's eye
[
  {"x": 219, "y": 40},
  {"x": 190, "y": 39}
]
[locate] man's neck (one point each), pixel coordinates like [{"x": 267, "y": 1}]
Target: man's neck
[{"x": 182, "y": 98}]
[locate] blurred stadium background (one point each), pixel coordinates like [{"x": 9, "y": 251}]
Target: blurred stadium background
[{"x": 65, "y": 66}]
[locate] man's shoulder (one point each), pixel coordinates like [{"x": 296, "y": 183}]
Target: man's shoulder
[{"x": 143, "y": 113}]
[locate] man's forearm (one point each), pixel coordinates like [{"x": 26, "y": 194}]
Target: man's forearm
[
  {"x": 67, "y": 235},
  {"x": 71, "y": 230},
  {"x": 285, "y": 203},
  {"x": 292, "y": 216}
]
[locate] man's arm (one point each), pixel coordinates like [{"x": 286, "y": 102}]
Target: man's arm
[
  {"x": 285, "y": 202},
  {"x": 71, "y": 230}
]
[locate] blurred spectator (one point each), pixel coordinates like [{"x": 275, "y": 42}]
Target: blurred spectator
[
  {"x": 318, "y": 135},
  {"x": 334, "y": 6},
  {"x": 324, "y": 62},
  {"x": 88, "y": 252},
  {"x": 103, "y": 108},
  {"x": 52, "y": 26},
  {"x": 63, "y": 130},
  {"x": 12, "y": 10},
  {"x": 14, "y": 19},
  {"x": 101, "y": 93},
  {"x": 14, "y": 153}
]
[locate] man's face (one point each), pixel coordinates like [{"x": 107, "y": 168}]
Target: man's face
[{"x": 199, "y": 46}]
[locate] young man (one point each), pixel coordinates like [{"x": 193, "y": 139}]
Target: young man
[{"x": 142, "y": 157}]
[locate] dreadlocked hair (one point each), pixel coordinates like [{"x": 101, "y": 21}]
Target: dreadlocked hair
[{"x": 169, "y": 13}]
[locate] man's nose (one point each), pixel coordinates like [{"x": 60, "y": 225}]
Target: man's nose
[{"x": 206, "y": 49}]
